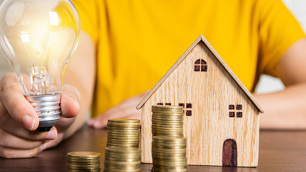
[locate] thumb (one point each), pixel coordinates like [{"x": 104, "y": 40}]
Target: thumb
[{"x": 70, "y": 101}]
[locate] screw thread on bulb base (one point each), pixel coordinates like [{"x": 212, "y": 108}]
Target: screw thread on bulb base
[{"x": 47, "y": 108}]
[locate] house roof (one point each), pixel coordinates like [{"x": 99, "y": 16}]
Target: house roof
[{"x": 231, "y": 73}]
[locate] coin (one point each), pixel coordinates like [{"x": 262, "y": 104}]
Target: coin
[
  {"x": 122, "y": 159},
  {"x": 161, "y": 108},
  {"x": 83, "y": 161},
  {"x": 169, "y": 152},
  {"x": 167, "y": 120},
  {"x": 122, "y": 152},
  {"x": 123, "y": 132}
]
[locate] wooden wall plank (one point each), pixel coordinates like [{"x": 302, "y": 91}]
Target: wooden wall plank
[{"x": 209, "y": 125}]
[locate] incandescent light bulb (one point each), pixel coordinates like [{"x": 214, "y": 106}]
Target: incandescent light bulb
[{"x": 38, "y": 38}]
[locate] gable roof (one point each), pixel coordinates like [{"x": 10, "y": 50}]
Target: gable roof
[{"x": 213, "y": 51}]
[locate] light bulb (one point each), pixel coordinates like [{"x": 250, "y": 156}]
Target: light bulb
[{"x": 38, "y": 37}]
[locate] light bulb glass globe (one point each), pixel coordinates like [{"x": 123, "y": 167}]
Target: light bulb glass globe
[{"x": 38, "y": 38}]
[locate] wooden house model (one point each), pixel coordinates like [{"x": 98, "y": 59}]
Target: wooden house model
[{"x": 221, "y": 117}]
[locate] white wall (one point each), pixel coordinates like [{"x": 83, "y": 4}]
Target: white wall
[
  {"x": 266, "y": 83},
  {"x": 298, "y": 8}
]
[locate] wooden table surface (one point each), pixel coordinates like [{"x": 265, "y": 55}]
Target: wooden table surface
[{"x": 279, "y": 151}]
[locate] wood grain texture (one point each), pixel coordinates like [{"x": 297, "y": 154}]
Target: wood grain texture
[
  {"x": 202, "y": 39},
  {"x": 209, "y": 126},
  {"x": 279, "y": 151}
]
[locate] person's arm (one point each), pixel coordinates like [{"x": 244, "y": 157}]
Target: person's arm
[
  {"x": 18, "y": 119},
  {"x": 80, "y": 73},
  {"x": 286, "y": 109}
]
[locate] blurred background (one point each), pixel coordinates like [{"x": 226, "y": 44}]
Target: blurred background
[
  {"x": 270, "y": 84},
  {"x": 266, "y": 83}
]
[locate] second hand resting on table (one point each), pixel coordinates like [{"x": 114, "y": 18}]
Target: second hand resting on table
[{"x": 126, "y": 109}]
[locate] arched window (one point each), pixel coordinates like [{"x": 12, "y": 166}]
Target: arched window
[{"x": 200, "y": 65}]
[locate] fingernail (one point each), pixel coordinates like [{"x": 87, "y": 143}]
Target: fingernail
[
  {"x": 51, "y": 135},
  {"x": 29, "y": 122},
  {"x": 42, "y": 147}
]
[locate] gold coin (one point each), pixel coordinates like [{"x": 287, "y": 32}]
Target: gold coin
[
  {"x": 158, "y": 108},
  {"x": 84, "y": 154},
  {"x": 83, "y": 162},
  {"x": 169, "y": 139},
  {"x": 114, "y": 170},
  {"x": 167, "y": 114},
  {"x": 124, "y": 120}
]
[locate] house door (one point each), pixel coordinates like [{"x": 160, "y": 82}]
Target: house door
[{"x": 229, "y": 156}]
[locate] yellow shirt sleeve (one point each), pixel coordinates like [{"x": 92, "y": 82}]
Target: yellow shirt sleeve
[
  {"x": 278, "y": 31},
  {"x": 138, "y": 41},
  {"x": 88, "y": 13}
]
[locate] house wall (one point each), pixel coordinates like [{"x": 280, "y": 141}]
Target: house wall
[{"x": 209, "y": 126}]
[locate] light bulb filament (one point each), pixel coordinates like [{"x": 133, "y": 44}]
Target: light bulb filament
[{"x": 39, "y": 80}]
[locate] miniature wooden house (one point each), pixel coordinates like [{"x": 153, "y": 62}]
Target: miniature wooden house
[{"x": 221, "y": 121}]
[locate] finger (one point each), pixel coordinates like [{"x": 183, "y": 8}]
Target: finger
[
  {"x": 129, "y": 113},
  {"x": 10, "y": 141},
  {"x": 64, "y": 123},
  {"x": 101, "y": 120},
  {"x": 21, "y": 153},
  {"x": 70, "y": 101},
  {"x": 12, "y": 98},
  {"x": 11, "y": 126},
  {"x": 3, "y": 111},
  {"x": 123, "y": 110},
  {"x": 55, "y": 142},
  {"x": 70, "y": 107}
]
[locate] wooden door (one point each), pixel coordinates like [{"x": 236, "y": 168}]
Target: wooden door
[{"x": 229, "y": 156}]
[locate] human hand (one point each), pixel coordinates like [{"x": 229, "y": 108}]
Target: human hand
[
  {"x": 126, "y": 109},
  {"x": 18, "y": 120}
]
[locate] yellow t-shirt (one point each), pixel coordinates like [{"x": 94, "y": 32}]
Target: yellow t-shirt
[{"x": 137, "y": 41}]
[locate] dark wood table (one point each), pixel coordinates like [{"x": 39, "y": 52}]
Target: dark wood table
[{"x": 279, "y": 151}]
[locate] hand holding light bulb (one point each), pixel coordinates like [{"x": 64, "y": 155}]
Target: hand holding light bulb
[{"x": 38, "y": 37}]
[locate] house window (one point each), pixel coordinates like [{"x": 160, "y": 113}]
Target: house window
[
  {"x": 232, "y": 110},
  {"x": 187, "y": 107},
  {"x": 239, "y": 107},
  {"x": 160, "y": 104},
  {"x": 188, "y": 113},
  {"x": 239, "y": 114},
  {"x": 169, "y": 104},
  {"x": 200, "y": 65}
]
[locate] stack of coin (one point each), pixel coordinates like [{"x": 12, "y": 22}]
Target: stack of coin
[
  {"x": 124, "y": 159},
  {"x": 83, "y": 161},
  {"x": 169, "y": 153},
  {"x": 167, "y": 120},
  {"x": 123, "y": 132}
]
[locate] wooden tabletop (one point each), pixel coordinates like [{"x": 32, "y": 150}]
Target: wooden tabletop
[{"x": 279, "y": 151}]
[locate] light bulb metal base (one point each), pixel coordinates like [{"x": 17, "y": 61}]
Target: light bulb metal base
[{"x": 47, "y": 108}]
